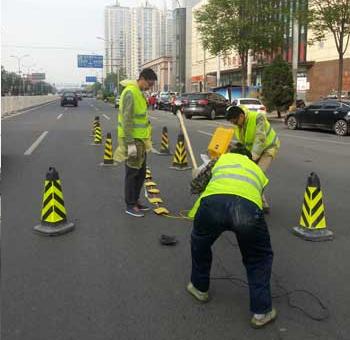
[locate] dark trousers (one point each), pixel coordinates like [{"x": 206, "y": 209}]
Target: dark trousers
[
  {"x": 134, "y": 179},
  {"x": 219, "y": 213}
]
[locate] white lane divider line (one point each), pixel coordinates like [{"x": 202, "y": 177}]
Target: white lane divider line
[
  {"x": 312, "y": 139},
  {"x": 60, "y": 116},
  {"x": 155, "y": 118},
  {"x": 205, "y": 133},
  {"x": 36, "y": 144},
  {"x": 105, "y": 116}
]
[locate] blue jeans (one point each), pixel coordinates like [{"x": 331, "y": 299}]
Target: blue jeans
[{"x": 219, "y": 213}]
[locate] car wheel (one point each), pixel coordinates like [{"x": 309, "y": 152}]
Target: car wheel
[
  {"x": 62, "y": 105},
  {"x": 341, "y": 127},
  {"x": 292, "y": 123},
  {"x": 188, "y": 116},
  {"x": 212, "y": 114}
]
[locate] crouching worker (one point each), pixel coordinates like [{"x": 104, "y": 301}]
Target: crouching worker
[{"x": 231, "y": 200}]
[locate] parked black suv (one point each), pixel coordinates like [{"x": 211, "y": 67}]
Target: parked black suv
[
  {"x": 328, "y": 114},
  {"x": 206, "y": 104},
  {"x": 69, "y": 98}
]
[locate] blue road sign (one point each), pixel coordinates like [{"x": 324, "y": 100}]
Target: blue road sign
[
  {"x": 90, "y": 61},
  {"x": 90, "y": 79}
]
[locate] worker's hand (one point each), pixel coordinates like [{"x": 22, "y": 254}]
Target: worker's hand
[
  {"x": 255, "y": 157},
  {"x": 132, "y": 150}
]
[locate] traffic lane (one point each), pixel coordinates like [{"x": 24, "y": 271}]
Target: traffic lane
[
  {"x": 90, "y": 294},
  {"x": 20, "y": 132},
  {"x": 66, "y": 151},
  {"x": 176, "y": 199},
  {"x": 286, "y": 204}
]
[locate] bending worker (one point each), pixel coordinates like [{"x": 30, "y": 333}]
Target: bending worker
[
  {"x": 134, "y": 138},
  {"x": 254, "y": 131},
  {"x": 231, "y": 201}
]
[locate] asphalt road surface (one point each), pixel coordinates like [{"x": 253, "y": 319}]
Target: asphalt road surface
[{"x": 111, "y": 279}]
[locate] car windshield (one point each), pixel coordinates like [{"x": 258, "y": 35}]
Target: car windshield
[
  {"x": 195, "y": 96},
  {"x": 346, "y": 104},
  {"x": 250, "y": 102}
]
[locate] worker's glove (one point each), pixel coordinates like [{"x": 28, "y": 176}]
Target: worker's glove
[
  {"x": 132, "y": 150},
  {"x": 255, "y": 157}
]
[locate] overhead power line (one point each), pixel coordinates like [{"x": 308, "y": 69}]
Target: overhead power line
[{"x": 52, "y": 47}]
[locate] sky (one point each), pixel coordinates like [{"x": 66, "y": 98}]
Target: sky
[{"x": 37, "y": 27}]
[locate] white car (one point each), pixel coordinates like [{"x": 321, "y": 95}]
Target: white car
[{"x": 251, "y": 104}]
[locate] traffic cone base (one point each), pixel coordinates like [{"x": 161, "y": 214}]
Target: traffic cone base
[
  {"x": 312, "y": 224},
  {"x": 316, "y": 235},
  {"x": 54, "y": 230}
]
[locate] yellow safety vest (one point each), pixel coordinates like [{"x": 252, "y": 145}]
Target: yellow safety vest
[
  {"x": 249, "y": 137},
  {"x": 235, "y": 174},
  {"x": 141, "y": 125}
]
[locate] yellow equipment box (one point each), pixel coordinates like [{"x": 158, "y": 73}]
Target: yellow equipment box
[{"x": 220, "y": 142}]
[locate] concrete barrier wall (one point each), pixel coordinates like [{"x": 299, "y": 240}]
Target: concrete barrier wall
[{"x": 12, "y": 104}]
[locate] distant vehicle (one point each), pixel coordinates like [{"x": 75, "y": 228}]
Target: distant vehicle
[
  {"x": 116, "y": 102},
  {"x": 252, "y": 104},
  {"x": 206, "y": 104},
  {"x": 300, "y": 104},
  {"x": 164, "y": 100},
  {"x": 328, "y": 114},
  {"x": 179, "y": 103},
  {"x": 79, "y": 95},
  {"x": 334, "y": 95},
  {"x": 69, "y": 98}
]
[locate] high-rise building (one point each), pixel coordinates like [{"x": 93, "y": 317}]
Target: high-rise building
[
  {"x": 117, "y": 38},
  {"x": 145, "y": 36},
  {"x": 135, "y": 36}
]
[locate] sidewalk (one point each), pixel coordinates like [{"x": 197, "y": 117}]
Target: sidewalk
[{"x": 272, "y": 116}]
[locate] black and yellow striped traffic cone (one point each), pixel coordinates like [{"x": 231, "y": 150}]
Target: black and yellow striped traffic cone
[
  {"x": 53, "y": 213},
  {"x": 313, "y": 220},
  {"x": 108, "y": 153},
  {"x": 180, "y": 156},
  {"x": 98, "y": 135},
  {"x": 94, "y": 125},
  {"x": 164, "y": 147}
]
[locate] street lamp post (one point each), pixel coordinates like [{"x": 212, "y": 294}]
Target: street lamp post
[
  {"x": 19, "y": 58},
  {"x": 111, "y": 59}
]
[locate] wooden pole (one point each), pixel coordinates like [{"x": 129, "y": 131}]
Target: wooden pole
[{"x": 184, "y": 130}]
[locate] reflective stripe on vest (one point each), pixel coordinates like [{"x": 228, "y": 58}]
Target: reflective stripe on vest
[
  {"x": 239, "y": 178},
  {"x": 235, "y": 166},
  {"x": 141, "y": 128},
  {"x": 236, "y": 175}
]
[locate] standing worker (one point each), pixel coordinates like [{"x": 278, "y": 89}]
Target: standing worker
[
  {"x": 231, "y": 200},
  {"x": 134, "y": 138},
  {"x": 254, "y": 131}
]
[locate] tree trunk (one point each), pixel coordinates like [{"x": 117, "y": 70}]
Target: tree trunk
[
  {"x": 244, "y": 60},
  {"x": 278, "y": 113},
  {"x": 340, "y": 75}
]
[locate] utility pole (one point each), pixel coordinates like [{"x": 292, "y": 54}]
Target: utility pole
[
  {"x": 295, "y": 52},
  {"x": 218, "y": 66},
  {"x": 204, "y": 72},
  {"x": 249, "y": 68}
]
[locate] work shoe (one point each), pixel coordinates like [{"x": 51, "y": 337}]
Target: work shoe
[
  {"x": 260, "y": 320},
  {"x": 200, "y": 296},
  {"x": 134, "y": 211},
  {"x": 143, "y": 207}
]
